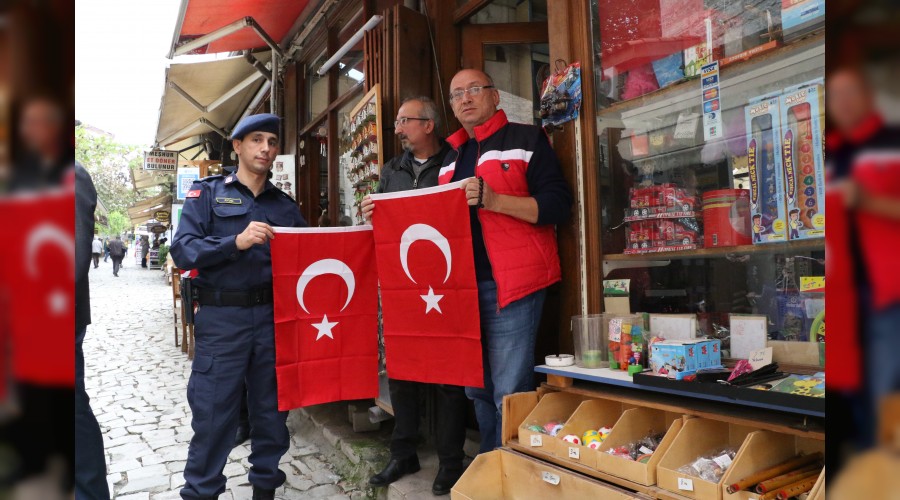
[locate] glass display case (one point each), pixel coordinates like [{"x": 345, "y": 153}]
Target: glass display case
[{"x": 709, "y": 121}]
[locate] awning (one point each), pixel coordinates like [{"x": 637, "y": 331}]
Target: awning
[
  {"x": 143, "y": 211},
  {"x": 200, "y": 97},
  {"x": 202, "y": 17}
]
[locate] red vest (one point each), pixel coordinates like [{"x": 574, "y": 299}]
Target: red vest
[{"x": 524, "y": 257}]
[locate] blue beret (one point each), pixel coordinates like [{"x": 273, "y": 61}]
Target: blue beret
[{"x": 263, "y": 122}]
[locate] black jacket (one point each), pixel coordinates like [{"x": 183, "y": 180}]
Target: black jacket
[
  {"x": 85, "y": 204},
  {"x": 398, "y": 174}
]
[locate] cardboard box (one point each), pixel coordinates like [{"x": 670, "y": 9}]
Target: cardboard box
[
  {"x": 764, "y": 164},
  {"x": 634, "y": 425},
  {"x": 800, "y": 17},
  {"x": 710, "y": 354},
  {"x": 505, "y": 475},
  {"x": 557, "y": 406},
  {"x": 590, "y": 414},
  {"x": 802, "y": 129},
  {"x": 764, "y": 449},
  {"x": 675, "y": 358},
  {"x": 698, "y": 437}
]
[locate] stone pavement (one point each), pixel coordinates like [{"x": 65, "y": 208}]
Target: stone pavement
[{"x": 137, "y": 381}]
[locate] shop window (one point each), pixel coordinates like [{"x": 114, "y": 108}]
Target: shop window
[
  {"x": 711, "y": 183},
  {"x": 316, "y": 88}
]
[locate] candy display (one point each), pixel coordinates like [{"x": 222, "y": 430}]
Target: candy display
[{"x": 710, "y": 467}]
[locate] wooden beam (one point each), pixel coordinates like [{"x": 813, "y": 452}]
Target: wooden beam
[{"x": 468, "y": 9}]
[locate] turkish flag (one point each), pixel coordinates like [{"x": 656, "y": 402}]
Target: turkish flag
[
  {"x": 429, "y": 297},
  {"x": 38, "y": 281},
  {"x": 326, "y": 315}
]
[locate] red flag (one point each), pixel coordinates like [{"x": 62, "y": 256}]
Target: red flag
[
  {"x": 429, "y": 297},
  {"x": 326, "y": 315},
  {"x": 39, "y": 277}
]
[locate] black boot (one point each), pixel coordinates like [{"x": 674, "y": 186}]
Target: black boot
[
  {"x": 394, "y": 470},
  {"x": 445, "y": 479},
  {"x": 263, "y": 494}
]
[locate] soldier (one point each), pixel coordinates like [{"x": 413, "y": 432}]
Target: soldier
[{"x": 224, "y": 234}]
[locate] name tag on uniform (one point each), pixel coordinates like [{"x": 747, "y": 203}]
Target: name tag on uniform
[{"x": 230, "y": 201}]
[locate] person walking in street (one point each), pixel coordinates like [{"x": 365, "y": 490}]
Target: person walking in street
[
  {"x": 517, "y": 194},
  {"x": 224, "y": 234},
  {"x": 416, "y": 127},
  {"x": 90, "y": 461},
  {"x": 145, "y": 251},
  {"x": 106, "y": 249},
  {"x": 96, "y": 250},
  {"x": 116, "y": 253}
]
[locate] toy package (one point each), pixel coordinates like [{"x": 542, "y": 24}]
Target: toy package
[
  {"x": 674, "y": 359},
  {"x": 802, "y": 128},
  {"x": 801, "y": 17},
  {"x": 639, "y": 451},
  {"x": 767, "y": 206},
  {"x": 710, "y": 467}
]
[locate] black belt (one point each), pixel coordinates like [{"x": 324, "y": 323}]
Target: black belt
[{"x": 238, "y": 298}]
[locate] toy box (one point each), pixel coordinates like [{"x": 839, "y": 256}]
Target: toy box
[
  {"x": 802, "y": 128},
  {"x": 658, "y": 199},
  {"x": 675, "y": 358},
  {"x": 710, "y": 353},
  {"x": 767, "y": 207},
  {"x": 801, "y": 17}
]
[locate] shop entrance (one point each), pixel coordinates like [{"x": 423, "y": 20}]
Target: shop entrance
[{"x": 517, "y": 56}]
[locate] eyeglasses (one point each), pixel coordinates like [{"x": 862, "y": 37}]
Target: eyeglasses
[
  {"x": 472, "y": 91},
  {"x": 403, "y": 120}
]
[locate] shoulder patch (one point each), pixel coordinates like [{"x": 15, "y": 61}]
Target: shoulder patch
[{"x": 193, "y": 193}]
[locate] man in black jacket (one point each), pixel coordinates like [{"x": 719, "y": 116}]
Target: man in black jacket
[
  {"x": 418, "y": 167},
  {"x": 90, "y": 463}
]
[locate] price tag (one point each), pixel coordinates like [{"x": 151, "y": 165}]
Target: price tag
[
  {"x": 537, "y": 440},
  {"x": 574, "y": 452},
  {"x": 685, "y": 484},
  {"x": 724, "y": 461},
  {"x": 549, "y": 477}
]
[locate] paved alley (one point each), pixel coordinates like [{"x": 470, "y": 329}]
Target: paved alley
[{"x": 137, "y": 381}]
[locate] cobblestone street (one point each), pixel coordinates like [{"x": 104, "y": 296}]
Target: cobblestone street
[{"x": 137, "y": 381}]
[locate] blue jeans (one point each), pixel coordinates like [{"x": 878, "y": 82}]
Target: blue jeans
[
  {"x": 882, "y": 338},
  {"x": 90, "y": 462},
  {"x": 507, "y": 349}
]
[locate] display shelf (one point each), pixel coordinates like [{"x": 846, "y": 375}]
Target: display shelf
[
  {"x": 619, "y": 378},
  {"x": 691, "y": 84},
  {"x": 717, "y": 252}
]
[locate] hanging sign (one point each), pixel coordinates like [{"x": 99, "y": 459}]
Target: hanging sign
[{"x": 160, "y": 161}]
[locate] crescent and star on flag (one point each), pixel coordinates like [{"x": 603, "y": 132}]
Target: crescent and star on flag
[
  {"x": 319, "y": 268},
  {"x": 424, "y": 232},
  {"x": 414, "y": 233}
]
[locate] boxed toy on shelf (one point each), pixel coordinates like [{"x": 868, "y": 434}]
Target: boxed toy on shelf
[
  {"x": 802, "y": 129},
  {"x": 767, "y": 206}
]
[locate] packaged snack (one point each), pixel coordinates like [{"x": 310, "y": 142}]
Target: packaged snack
[{"x": 710, "y": 467}]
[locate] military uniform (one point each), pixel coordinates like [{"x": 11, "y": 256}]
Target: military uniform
[{"x": 234, "y": 330}]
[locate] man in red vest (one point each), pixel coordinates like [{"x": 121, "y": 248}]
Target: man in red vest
[
  {"x": 517, "y": 196},
  {"x": 863, "y": 164}
]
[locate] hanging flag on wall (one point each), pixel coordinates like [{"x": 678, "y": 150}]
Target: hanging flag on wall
[
  {"x": 326, "y": 315},
  {"x": 429, "y": 296}
]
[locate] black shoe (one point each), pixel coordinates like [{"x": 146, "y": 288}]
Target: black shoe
[
  {"x": 242, "y": 434},
  {"x": 394, "y": 470},
  {"x": 263, "y": 494},
  {"x": 445, "y": 480}
]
